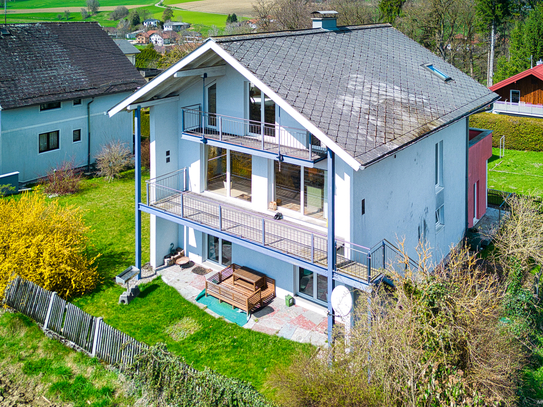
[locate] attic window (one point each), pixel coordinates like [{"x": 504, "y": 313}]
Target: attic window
[{"x": 437, "y": 72}]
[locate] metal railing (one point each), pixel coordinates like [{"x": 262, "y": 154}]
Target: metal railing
[
  {"x": 386, "y": 256},
  {"x": 263, "y": 230},
  {"x": 519, "y": 108},
  {"x": 280, "y": 140}
]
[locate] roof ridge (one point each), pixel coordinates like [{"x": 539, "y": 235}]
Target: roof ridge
[{"x": 303, "y": 31}]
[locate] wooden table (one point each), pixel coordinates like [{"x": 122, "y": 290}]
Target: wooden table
[{"x": 248, "y": 279}]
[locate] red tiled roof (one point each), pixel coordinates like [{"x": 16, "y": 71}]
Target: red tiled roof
[{"x": 536, "y": 71}]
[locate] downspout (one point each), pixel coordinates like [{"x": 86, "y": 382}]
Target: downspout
[
  {"x": 137, "y": 158},
  {"x": 466, "y": 224},
  {"x": 89, "y": 135},
  {"x": 331, "y": 246}
]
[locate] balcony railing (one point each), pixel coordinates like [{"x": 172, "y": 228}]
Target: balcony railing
[
  {"x": 518, "y": 108},
  {"x": 272, "y": 138},
  {"x": 169, "y": 194}
]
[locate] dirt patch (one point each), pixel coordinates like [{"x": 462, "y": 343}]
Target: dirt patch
[
  {"x": 240, "y": 7},
  {"x": 17, "y": 394}
]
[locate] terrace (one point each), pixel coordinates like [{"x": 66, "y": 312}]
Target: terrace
[
  {"x": 521, "y": 109},
  {"x": 301, "y": 245}
]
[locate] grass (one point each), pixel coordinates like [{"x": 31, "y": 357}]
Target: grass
[
  {"x": 101, "y": 17},
  {"x": 204, "y": 341},
  {"x": 34, "y": 4},
  {"x": 45, "y": 367},
  {"x": 516, "y": 171},
  {"x": 160, "y": 310}
]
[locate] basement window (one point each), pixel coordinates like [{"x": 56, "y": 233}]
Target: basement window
[{"x": 437, "y": 72}]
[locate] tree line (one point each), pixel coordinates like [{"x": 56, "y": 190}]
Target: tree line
[{"x": 489, "y": 40}]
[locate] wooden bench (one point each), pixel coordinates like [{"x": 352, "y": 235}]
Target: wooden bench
[{"x": 241, "y": 287}]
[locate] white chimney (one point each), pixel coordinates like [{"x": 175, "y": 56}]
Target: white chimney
[
  {"x": 325, "y": 19},
  {"x": 540, "y": 62}
]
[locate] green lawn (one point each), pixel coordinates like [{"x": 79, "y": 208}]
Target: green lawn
[
  {"x": 33, "y": 4},
  {"x": 193, "y": 17},
  {"x": 224, "y": 347},
  {"x": 45, "y": 367},
  {"x": 101, "y": 17},
  {"x": 516, "y": 171}
]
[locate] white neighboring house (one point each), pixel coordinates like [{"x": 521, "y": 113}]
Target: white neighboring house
[
  {"x": 357, "y": 135},
  {"x": 129, "y": 50},
  {"x": 176, "y": 26},
  {"x": 151, "y": 22},
  {"x": 54, "y": 93}
]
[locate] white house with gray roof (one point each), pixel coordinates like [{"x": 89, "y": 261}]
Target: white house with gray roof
[
  {"x": 357, "y": 136},
  {"x": 54, "y": 95}
]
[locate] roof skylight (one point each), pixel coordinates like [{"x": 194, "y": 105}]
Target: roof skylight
[{"x": 437, "y": 72}]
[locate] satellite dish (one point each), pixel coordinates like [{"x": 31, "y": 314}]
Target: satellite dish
[{"x": 341, "y": 299}]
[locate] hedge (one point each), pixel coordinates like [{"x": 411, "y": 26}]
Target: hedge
[
  {"x": 168, "y": 380},
  {"x": 145, "y": 124},
  {"x": 521, "y": 133}
]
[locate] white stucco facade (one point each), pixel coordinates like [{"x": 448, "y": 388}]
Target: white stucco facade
[
  {"x": 399, "y": 191},
  {"x": 20, "y": 130}
]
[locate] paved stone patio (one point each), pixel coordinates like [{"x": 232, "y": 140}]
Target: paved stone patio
[{"x": 296, "y": 323}]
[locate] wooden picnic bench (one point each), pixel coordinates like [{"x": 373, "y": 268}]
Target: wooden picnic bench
[{"x": 241, "y": 287}]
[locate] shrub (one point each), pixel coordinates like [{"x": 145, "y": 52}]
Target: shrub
[
  {"x": 46, "y": 244},
  {"x": 62, "y": 181},
  {"x": 113, "y": 159},
  {"x": 146, "y": 154},
  {"x": 521, "y": 133},
  {"x": 168, "y": 380},
  {"x": 118, "y": 13}
]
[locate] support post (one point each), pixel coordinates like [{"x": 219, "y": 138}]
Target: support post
[
  {"x": 369, "y": 315},
  {"x": 181, "y": 202},
  {"x": 263, "y": 232},
  {"x": 312, "y": 248},
  {"x": 137, "y": 143},
  {"x": 96, "y": 335},
  {"x": 204, "y": 76},
  {"x": 220, "y": 127},
  {"x": 331, "y": 246},
  {"x": 220, "y": 217},
  {"x": 48, "y": 316}
]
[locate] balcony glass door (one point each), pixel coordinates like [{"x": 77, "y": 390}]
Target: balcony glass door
[
  {"x": 229, "y": 173},
  {"x": 219, "y": 250},
  {"x": 216, "y": 170},
  {"x": 312, "y": 286},
  {"x": 261, "y": 110}
]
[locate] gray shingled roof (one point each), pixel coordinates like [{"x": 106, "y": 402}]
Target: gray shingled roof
[
  {"x": 363, "y": 86},
  {"x": 126, "y": 47},
  {"x": 48, "y": 62}
]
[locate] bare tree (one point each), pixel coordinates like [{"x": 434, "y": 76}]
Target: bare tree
[{"x": 93, "y": 6}]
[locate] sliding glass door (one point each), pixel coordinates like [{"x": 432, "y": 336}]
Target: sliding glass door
[
  {"x": 312, "y": 286},
  {"x": 229, "y": 173}
]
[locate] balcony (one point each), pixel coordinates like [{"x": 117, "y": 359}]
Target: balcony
[
  {"x": 169, "y": 194},
  {"x": 269, "y": 139},
  {"x": 520, "y": 109}
]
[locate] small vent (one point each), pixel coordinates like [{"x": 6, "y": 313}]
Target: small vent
[{"x": 4, "y": 31}]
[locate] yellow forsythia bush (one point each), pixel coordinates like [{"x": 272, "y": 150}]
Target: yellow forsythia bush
[{"x": 46, "y": 244}]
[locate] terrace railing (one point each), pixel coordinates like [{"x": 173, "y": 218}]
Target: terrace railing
[
  {"x": 268, "y": 137},
  {"x": 166, "y": 193},
  {"x": 519, "y": 108}
]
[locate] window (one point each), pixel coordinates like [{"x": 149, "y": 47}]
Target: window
[
  {"x": 437, "y": 72},
  {"x": 439, "y": 165},
  {"x": 301, "y": 189},
  {"x": 261, "y": 110},
  {"x": 440, "y": 217},
  {"x": 229, "y": 173},
  {"x": 77, "y": 102},
  {"x": 515, "y": 96},
  {"x": 312, "y": 286},
  {"x": 77, "y": 135},
  {"x": 212, "y": 105},
  {"x": 49, "y": 106},
  {"x": 219, "y": 250},
  {"x": 48, "y": 141}
]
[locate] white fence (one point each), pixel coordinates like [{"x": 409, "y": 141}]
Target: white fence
[{"x": 55, "y": 314}]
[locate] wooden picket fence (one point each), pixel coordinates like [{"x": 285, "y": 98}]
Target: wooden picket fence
[{"x": 67, "y": 320}]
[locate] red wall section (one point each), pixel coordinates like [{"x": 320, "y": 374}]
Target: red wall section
[{"x": 480, "y": 150}]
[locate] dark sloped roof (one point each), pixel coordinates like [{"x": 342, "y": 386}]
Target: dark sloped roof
[
  {"x": 126, "y": 47},
  {"x": 365, "y": 86},
  {"x": 536, "y": 71},
  {"x": 48, "y": 62}
]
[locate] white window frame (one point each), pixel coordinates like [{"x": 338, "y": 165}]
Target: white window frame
[
  {"x": 440, "y": 217},
  {"x": 511, "y": 95}
]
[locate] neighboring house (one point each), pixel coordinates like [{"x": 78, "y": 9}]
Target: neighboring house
[
  {"x": 176, "y": 26},
  {"x": 161, "y": 38},
  {"x": 191, "y": 37},
  {"x": 151, "y": 22},
  {"x": 521, "y": 94},
  {"x": 480, "y": 151},
  {"x": 143, "y": 37},
  {"x": 133, "y": 34},
  {"x": 354, "y": 134},
  {"x": 128, "y": 50},
  {"x": 54, "y": 92}
]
